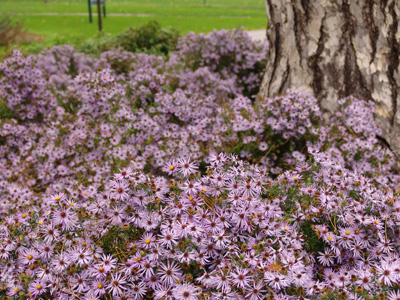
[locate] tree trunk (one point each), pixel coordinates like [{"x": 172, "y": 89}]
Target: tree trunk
[
  {"x": 336, "y": 48},
  {"x": 99, "y": 15}
]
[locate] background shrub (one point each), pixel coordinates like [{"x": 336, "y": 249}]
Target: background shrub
[
  {"x": 147, "y": 38},
  {"x": 10, "y": 28},
  {"x": 13, "y": 32}
]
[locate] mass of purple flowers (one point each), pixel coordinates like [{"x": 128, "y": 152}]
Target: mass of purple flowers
[{"x": 133, "y": 176}]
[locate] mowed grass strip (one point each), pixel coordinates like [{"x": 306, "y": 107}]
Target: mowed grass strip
[
  {"x": 126, "y": 6},
  {"x": 184, "y": 15}
]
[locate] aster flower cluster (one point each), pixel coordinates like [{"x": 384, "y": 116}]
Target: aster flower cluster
[
  {"x": 232, "y": 54},
  {"x": 134, "y": 176},
  {"x": 25, "y": 89},
  {"x": 352, "y": 137},
  {"x": 234, "y": 233}
]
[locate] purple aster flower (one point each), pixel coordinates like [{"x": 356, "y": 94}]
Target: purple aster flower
[
  {"x": 185, "y": 167},
  {"x": 138, "y": 290},
  {"x": 108, "y": 262},
  {"x": 170, "y": 273},
  {"x": 80, "y": 282},
  {"x": 61, "y": 262},
  {"x": 186, "y": 291},
  {"x": 167, "y": 238},
  {"x": 276, "y": 280},
  {"x": 393, "y": 295},
  {"x": 37, "y": 287},
  {"x": 98, "y": 287},
  {"x": 119, "y": 189},
  {"x": 147, "y": 269},
  {"x": 147, "y": 240},
  {"x": 117, "y": 284},
  {"x": 255, "y": 292},
  {"x": 90, "y": 296},
  {"x": 386, "y": 273},
  {"x": 171, "y": 167},
  {"x": 326, "y": 258},
  {"x": 66, "y": 218},
  {"x": 82, "y": 256},
  {"x": 222, "y": 282},
  {"x": 240, "y": 278},
  {"x": 28, "y": 256},
  {"x": 365, "y": 279}
]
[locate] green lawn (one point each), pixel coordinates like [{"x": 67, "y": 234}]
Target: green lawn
[{"x": 184, "y": 15}]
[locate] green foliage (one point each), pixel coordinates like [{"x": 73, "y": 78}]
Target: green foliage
[
  {"x": 149, "y": 38},
  {"x": 10, "y": 29},
  {"x": 98, "y": 44},
  {"x": 5, "y": 112},
  {"x": 116, "y": 239},
  {"x": 312, "y": 242}
]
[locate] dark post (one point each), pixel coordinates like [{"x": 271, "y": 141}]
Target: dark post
[
  {"x": 90, "y": 11},
  {"x": 104, "y": 8},
  {"x": 99, "y": 15}
]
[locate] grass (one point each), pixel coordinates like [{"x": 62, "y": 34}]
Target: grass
[{"x": 184, "y": 15}]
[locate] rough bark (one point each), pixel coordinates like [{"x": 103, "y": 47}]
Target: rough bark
[{"x": 336, "y": 48}]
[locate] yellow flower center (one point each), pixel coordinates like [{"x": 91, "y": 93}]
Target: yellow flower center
[
  {"x": 101, "y": 269},
  {"x": 357, "y": 232},
  {"x": 171, "y": 168},
  {"x": 16, "y": 290},
  {"x": 71, "y": 204},
  {"x": 347, "y": 232},
  {"x": 133, "y": 246},
  {"x": 30, "y": 256},
  {"x": 285, "y": 228},
  {"x": 295, "y": 177},
  {"x": 100, "y": 286},
  {"x": 329, "y": 238},
  {"x": 190, "y": 198},
  {"x": 203, "y": 190},
  {"x": 23, "y": 215},
  {"x": 147, "y": 241},
  {"x": 376, "y": 222},
  {"x": 40, "y": 222},
  {"x": 84, "y": 244},
  {"x": 139, "y": 259},
  {"x": 39, "y": 287}
]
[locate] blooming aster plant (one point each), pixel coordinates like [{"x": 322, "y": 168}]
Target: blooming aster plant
[
  {"x": 130, "y": 176},
  {"x": 234, "y": 232}
]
